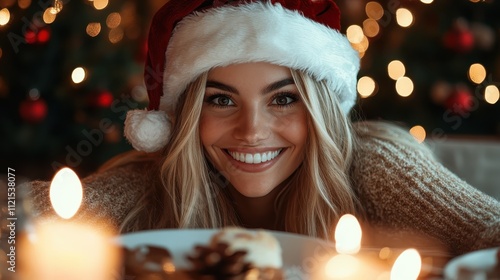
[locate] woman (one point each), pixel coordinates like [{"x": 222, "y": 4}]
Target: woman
[{"x": 249, "y": 125}]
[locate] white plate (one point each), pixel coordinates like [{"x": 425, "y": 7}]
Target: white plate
[
  {"x": 297, "y": 250},
  {"x": 482, "y": 262},
  {"x": 303, "y": 257}
]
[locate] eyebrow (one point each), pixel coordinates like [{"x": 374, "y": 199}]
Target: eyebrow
[{"x": 272, "y": 87}]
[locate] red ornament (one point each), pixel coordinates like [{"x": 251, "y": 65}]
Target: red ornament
[
  {"x": 30, "y": 37},
  {"x": 33, "y": 111},
  {"x": 459, "y": 38},
  {"x": 43, "y": 36},
  {"x": 104, "y": 99},
  {"x": 460, "y": 101}
]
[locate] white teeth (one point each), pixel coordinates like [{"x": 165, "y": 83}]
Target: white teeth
[{"x": 255, "y": 158}]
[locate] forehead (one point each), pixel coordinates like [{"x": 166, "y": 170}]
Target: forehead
[{"x": 250, "y": 72}]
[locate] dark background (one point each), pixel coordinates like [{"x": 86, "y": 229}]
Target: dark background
[{"x": 47, "y": 121}]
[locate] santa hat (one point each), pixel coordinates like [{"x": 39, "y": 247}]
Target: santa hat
[{"x": 188, "y": 38}]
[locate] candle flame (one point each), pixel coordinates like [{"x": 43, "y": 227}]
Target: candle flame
[
  {"x": 66, "y": 193},
  {"x": 348, "y": 235},
  {"x": 407, "y": 266}
]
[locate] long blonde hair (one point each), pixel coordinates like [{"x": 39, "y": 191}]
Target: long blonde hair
[{"x": 192, "y": 194}]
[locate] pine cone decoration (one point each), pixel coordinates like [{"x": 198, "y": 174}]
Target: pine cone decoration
[
  {"x": 218, "y": 262},
  {"x": 146, "y": 262}
]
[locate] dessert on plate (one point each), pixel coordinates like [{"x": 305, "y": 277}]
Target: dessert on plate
[{"x": 232, "y": 253}]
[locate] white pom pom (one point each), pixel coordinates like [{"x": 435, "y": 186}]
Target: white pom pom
[{"x": 147, "y": 131}]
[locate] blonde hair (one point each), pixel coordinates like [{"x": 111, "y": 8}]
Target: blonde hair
[{"x": 192, "y": 194}]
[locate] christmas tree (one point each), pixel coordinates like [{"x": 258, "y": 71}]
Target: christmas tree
[{"x": 70, "y": 70}]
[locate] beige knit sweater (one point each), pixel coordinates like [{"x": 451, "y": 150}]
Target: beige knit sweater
[{"x": 401, "y": 190}]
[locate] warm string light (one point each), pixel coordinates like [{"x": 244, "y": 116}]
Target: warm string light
[
  {"x": 404, "y": 86},
  {"x": 366, "y": 86},
  {"x": 374, "y": 10},
  {"x": 396, "y": 69},
  {"x": 24, "y": 4},
  {"x": 100, "y": 4},
  {"x": 113, "y": 20},
  {"x": 49, "y": 16},
  {"x": 78, "y": 75},
  {"x": 93, "y": 29},
  {"x": 477, "y": 73},
  {"x": 371, "y": 27},
  {"x": 491, "y": 94},
  {"x": 404, "y": 17},
  {"x": 4, "y": 16}
]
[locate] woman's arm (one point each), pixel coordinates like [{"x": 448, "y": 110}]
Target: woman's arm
[{"x": 405, "y": 188}]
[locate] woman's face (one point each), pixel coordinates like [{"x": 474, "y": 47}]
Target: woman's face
[{"x": 253, "y": 125}]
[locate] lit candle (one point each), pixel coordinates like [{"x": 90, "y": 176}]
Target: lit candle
[
  {"x": 69, "y": 250},
  {"x": 346, "y": 265},
  {"x": 407, "y": 266}
]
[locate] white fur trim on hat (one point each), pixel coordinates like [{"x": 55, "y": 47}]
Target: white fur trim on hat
[
  {"x": 147, "y": 131},
  {"x": 258, "y": 32}
]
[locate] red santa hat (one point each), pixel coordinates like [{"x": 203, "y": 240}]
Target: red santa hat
[{"x": 188, "y": 38}]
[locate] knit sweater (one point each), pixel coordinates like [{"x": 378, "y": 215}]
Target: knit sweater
[{"x": 400, "y": 189}]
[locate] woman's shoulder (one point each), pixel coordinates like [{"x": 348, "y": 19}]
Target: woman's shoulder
[{"x": 381, "y": 140}]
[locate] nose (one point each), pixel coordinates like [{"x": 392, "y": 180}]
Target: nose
[{"x": 252, "y": 126}]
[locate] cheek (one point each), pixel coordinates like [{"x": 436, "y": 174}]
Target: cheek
[
  {"x": 295, "y": 129},
  {"x": 213, "y": 132},
  {"x": 208, "y": 130}
]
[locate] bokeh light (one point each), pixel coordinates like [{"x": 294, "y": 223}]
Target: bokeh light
[
  {"x": 48, "y": 16},
  {"x": 100, "y": 4},
  {"x": 115, "y": 35},
  {"x": 396, "y": 69},
  {"x": 491, "y": 94},
  {"x": 58, "y": 6},
  {"x": 355, "y": 34},
  {"x": 371, "y": 27},
  {"x": 477, "y": 73},
  {"x": 427, "y": 1},
  {"x": 404, "y": 86},
  {"x": 374, "y": 10},
  {"x": 24, "y": 4},
  {"x": 404, "y": 17},
  {"x": 366, "y": 86},
  {"x": 34, "y": 94},
  {"x": 113, "y": 20},
  {"x": 78, "y": 75},
  {"x": 4, "y": 16},
  {"x": 418, "y": 132},
  {"x": 385, "y": 253},
  {"x": 93, "y": 29}
]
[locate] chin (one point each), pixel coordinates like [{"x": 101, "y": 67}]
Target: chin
[{"x": 252, "y": 191}]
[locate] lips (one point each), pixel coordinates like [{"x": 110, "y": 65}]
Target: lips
[{"x": 254, "y": 158}]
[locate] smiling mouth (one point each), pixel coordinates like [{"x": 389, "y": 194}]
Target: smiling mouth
[{"x": 254, "y": 158}]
